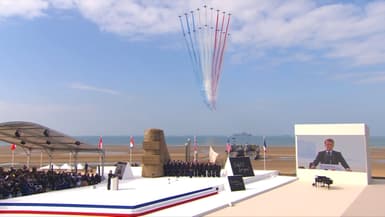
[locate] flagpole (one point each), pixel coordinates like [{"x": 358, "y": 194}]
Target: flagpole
[
  {"x": 41, "y": 158},
  {"x": 132, "y": 143},
  {"x": 100, "y": 147},
  {"x": 28, "y": 158},
  {"x": 130, "y": 155},
  {"x": 13, "y": 157},
  {"x": 264, "y": 153},
  {"x": 100, "y": 162},
  {"x": 264, "y": 160},
  {"x": 195, "y": 157}
]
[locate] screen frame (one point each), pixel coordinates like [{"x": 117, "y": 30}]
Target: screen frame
[{"x": 343, "y": 177}]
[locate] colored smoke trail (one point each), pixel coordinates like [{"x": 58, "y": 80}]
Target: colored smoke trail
[{"x": 205, "y": 36}]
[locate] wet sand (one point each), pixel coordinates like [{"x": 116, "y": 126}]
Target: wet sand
[{"x": 277, "y": 158}]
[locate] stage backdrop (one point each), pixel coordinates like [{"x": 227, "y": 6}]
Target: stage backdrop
[{"x": 349, "y": 139}]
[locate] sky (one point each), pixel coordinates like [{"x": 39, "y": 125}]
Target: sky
[{"x": 119, "y": 67}]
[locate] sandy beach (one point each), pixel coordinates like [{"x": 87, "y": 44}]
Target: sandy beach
[{"x": 277, "y": 158}]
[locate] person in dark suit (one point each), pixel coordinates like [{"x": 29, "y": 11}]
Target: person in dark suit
[
  {"x": 329, "y": 156},
  {"x": 86, "y": 168},
  {"x": 110, "y": 176}
]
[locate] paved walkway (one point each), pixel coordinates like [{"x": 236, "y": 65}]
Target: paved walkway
[
  {"x": 370, "y": 202},
  {"x": 302, "y": 199}
]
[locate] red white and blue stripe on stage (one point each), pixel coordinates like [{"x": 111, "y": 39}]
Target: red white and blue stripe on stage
[{"x": 104, "y": 210}]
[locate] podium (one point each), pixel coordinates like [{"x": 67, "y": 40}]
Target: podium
[
  {"x": 115, "y": 183},
  {"x": 331, "y": 167}
]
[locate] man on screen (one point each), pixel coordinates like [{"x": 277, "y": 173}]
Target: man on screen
[{"x": 329, "y": 156}]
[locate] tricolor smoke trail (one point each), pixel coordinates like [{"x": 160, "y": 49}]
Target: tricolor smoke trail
[{"x": 205, "y": 31}]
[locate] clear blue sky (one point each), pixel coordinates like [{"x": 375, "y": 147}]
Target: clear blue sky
[{"x": 117, "y": 67}]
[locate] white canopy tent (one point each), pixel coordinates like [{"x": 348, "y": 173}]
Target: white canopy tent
[
  {"x": 80, "y": 166},
  {"x": 48, "y": 167},
  {"x": 66, "y": 167}
]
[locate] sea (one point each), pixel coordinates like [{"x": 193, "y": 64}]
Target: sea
[{"x": 278, "y": 140}]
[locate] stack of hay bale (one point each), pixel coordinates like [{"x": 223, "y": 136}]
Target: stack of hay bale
[{"x": 155, "y": 153}]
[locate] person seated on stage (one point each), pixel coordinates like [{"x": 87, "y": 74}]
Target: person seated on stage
[{"x": 329, "y": 156}]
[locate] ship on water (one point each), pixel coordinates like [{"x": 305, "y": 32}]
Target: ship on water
[{"x": 242, "y": 134}]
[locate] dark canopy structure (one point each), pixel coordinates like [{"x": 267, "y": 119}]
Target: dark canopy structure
[
  {"x": 35, "y": 136},
  {"x": 31, "y": 136}
]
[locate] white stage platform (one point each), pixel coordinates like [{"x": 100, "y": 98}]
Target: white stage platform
[{"x": 163, "y": 196}]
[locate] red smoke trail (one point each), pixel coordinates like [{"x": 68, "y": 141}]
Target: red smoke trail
[{"x": 223, "y": 49}]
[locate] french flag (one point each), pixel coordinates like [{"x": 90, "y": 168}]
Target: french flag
[
  {"x": 132, "y": 142},
  {"x": 264, "y": 145},
  {"x": 100, "y": 145},
  {"x": 228, "y": 146}
]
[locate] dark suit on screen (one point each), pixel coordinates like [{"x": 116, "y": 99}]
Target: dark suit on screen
[{"x": 334, "y": 157}]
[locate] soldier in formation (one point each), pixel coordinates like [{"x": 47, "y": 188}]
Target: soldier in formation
[{"x": 192, "y": 169}]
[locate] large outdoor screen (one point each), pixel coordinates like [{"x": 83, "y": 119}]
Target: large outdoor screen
[{"x": 332, "y": 152}]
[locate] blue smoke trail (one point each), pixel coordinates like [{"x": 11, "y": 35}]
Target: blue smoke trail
[
  {"x": 189, "y": 49},
  {"x": 195, "y": 62}
]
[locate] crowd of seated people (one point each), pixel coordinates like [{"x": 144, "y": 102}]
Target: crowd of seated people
[
  {"x": 181, "y": 168},
  {"x": 20, "y": 182}
]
